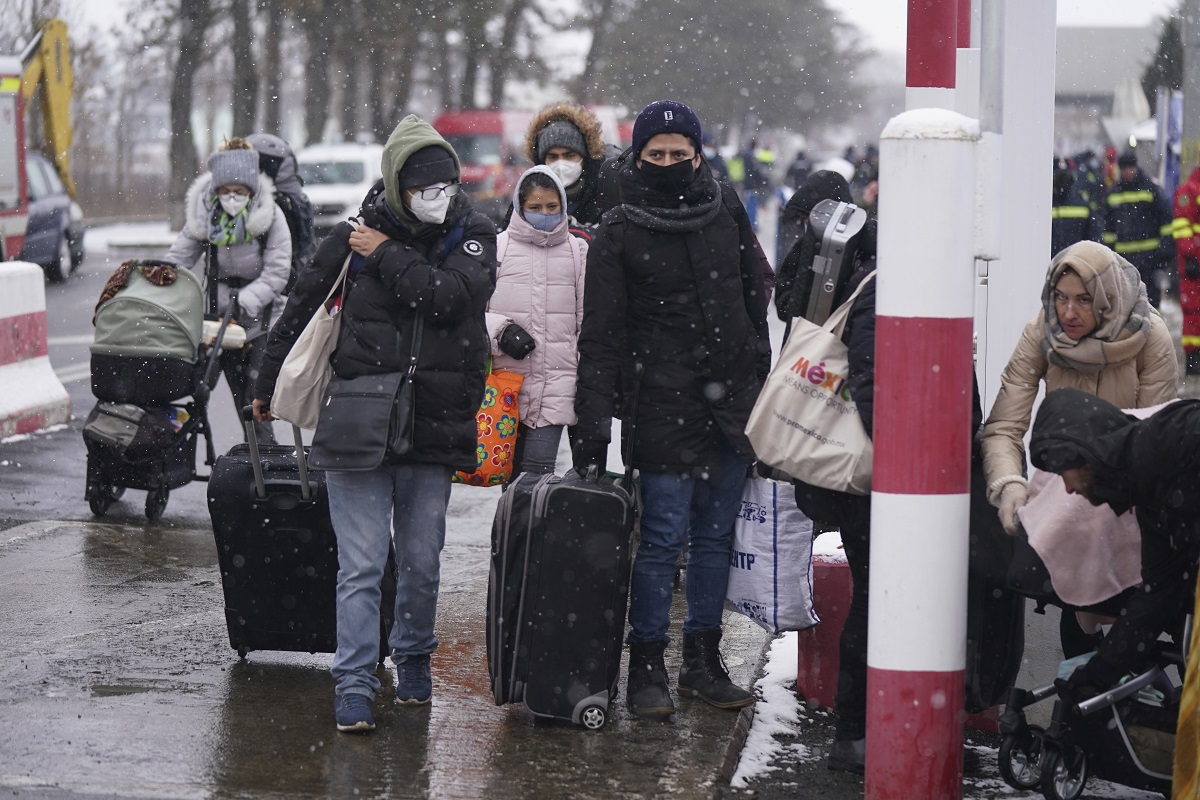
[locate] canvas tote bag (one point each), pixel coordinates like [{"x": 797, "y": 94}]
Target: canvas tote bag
[
  {"x": 805, "y": 422},
  {"x": 306, "y": 371}
]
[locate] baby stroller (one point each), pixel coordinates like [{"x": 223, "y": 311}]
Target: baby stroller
[
  {"x": 147, "y": 357},
  {"x": 1125, "y": 735}
]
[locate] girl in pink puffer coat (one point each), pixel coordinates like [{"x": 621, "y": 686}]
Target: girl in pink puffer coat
[{"x": 534, "y": 315}]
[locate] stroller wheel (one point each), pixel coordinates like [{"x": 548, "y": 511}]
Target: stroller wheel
[
  {"x": 100, "y": 504},
  {"x": 1021, "y": 759},
  {"x": 156, "y": 502},
  {"x": 1064, "y": 774},
  {"x": 116, "y": 492}
]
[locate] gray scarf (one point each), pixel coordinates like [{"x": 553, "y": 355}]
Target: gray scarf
[{"x": 676, "y": 220}]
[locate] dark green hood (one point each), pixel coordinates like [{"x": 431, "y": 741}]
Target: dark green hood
[
  {"x": 410, "y": 135},
  {"x": 1074, "y": 428}
]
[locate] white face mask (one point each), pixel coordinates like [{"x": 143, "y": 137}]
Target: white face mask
[
  {"x": 567, "y": 171},
  {"x": 431, "y": 211},
  {"x": 234, "y": 203}
]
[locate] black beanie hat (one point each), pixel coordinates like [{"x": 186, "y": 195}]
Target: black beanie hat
[
  {"x": 429, "y": 165},
  {"x": 1127, "y": 159},
  {"x": 821, "y": 185},
  {"x": 665, "y": 116}
]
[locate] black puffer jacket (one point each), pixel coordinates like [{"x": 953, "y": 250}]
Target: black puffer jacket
[
  {"x": 691, "y": 308},
  {"x": 406, "y": 275},
  {"x": 1153, "y": 466}
]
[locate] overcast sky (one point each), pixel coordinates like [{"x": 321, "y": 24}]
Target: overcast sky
[{"x": 885, "y": 21}]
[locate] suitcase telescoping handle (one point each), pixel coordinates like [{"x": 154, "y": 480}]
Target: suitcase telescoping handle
[{"x": 260, "y": 484}]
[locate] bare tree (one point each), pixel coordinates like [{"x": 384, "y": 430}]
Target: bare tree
[
  {"x": 318, "y": 33},
  {"x": 504, "y": 52},
  {"x": 194, "y": 19},
  {"x": 244, "y": 73},
  {"x": 272, "y": 13}
]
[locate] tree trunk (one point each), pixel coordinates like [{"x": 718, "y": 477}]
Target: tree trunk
[
  {"x": 318, "y": 33},
  {"x": 194, "y": 16},
  {"x": 503, "y": 57},
  {"x": 272, "y": 66},
  {"x": 601, "y": 21},
  {"x": 375, "y": 82},
  {"x": 350, "y": 95},
  {"x": 471, "y": 48},
  {"x": 245, "y": 72}
]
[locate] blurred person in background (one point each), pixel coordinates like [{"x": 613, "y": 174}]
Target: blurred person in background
[
  {"x": 233, "y": 224},
  {"x": 1138, "y": 225},
  {"x": 1071, "y": 218},
  {"x": 277, "y": 161}
]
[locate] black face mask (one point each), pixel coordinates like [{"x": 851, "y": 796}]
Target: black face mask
[{"x": 672, "y": 180}]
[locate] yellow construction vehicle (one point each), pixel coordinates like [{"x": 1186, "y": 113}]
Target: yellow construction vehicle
[{"x": 48, "y": 81}]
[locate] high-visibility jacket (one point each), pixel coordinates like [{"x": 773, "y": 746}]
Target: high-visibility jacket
[
  {"x": 1138, "y": 223},
  {"x": 1185, "y": 230},
  {"x": 1072, "y": 220}
]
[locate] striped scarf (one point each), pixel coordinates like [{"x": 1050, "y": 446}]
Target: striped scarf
[
  {"x": 224, "y": 230},
  {"x": 1118, "y": 300}
]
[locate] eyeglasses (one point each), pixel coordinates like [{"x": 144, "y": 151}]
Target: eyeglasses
[{"x": 433, "y": 192}]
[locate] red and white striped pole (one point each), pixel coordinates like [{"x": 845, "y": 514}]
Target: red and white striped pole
[
  {"x": 916, "y": 644},
  {"x": 933, "y": 37}
]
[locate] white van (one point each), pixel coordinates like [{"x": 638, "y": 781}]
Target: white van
[{"x": 336, "y": 179}]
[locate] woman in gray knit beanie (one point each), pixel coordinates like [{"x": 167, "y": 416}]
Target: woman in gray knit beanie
[{"x": 233, "y": 227}]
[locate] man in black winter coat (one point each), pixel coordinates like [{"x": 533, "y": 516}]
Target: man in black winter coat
[
  {"x": 1137, "y": 225},
  {"x": 1153, "y": 467},
  {"x": 674, "y": 306}
]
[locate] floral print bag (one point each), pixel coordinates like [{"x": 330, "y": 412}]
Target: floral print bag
[{"x": 497, "y": 422}]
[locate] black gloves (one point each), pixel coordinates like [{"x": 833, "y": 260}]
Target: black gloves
[
  {"x": 589, "y": 453},
  {"x": 516, "y": 342},
  {"x": 1191, "y": 267}
]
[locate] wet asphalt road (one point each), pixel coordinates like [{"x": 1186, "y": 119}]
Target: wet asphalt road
[{"x": 117, "y": 679}]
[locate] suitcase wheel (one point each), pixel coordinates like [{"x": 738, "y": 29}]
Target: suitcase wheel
[
  {"x": 593, "y": 718},
  {"x": 101, "y": 497}
]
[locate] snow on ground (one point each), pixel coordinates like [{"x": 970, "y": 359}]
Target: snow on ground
[
  {"x": 154, "y": 235},
  {"x": 778, "y": 713},
  {"x": 20, "y": 437}
]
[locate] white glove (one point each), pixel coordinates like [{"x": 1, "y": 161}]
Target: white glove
[{"x": 1012, "y": 497}]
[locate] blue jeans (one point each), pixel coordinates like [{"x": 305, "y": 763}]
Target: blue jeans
[
  {"x": 537, "y": 449},
  {"x": 405, "y": 503},
  {"x": 699, "y": 511}
]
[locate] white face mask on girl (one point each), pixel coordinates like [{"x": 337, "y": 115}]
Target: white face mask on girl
[
  {"x": 234, "y": 203},
  {"x": 431, "y": 211},
  {"x": 567, "y": 171}
]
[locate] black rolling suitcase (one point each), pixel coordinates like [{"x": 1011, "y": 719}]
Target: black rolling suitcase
[
  {"x": 557, "y": 595},
  {"x": 277, "y": 551}
]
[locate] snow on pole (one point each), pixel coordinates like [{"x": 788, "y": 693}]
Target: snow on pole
[{"x": 920, "y": 499}]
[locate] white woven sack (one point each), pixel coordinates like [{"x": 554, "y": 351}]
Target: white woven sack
[
  {"x": 306, "y": 371},
  {"x": 805, "y": 422},
  {"x": 770, "y": 568}
]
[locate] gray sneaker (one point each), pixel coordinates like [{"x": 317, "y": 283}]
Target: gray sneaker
[{"x": 415, "y": 685}]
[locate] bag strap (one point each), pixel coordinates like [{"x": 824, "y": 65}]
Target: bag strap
[
  {"x": 416, "y": 346},
  {"x": 339, "y": 283},
  {"x": 210, "y": 279},
  {"x": 836, "y": 323},
  {"x": 576, "y": 257}
]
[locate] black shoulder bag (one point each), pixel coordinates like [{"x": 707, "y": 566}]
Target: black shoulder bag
[{"x": 365, "y": 420}]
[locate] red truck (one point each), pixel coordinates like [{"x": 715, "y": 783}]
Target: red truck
[{"x": 491, "y": 146}]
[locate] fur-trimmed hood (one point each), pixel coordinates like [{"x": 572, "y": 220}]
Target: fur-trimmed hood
[
  {"x": 575, "y": 114},
  {"x": 199, "y": 203}
]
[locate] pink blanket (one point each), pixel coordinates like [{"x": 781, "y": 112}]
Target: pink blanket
[{"x": 1090, "y": 552}]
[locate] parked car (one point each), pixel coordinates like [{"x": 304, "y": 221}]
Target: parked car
[
  {"x": 54, "y": 236},
  {"x": 336, "y": 179}
]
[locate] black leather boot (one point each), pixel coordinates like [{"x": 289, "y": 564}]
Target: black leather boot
[
  {"x": 703, "y": 672},
  {"x": 647, "y": 692}
]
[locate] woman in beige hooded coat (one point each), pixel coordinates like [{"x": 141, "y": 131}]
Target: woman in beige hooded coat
[{"x": 1097, "y": 333}]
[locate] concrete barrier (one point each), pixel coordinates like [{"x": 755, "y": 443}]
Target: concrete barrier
[{"x": 31, "y": 395}]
